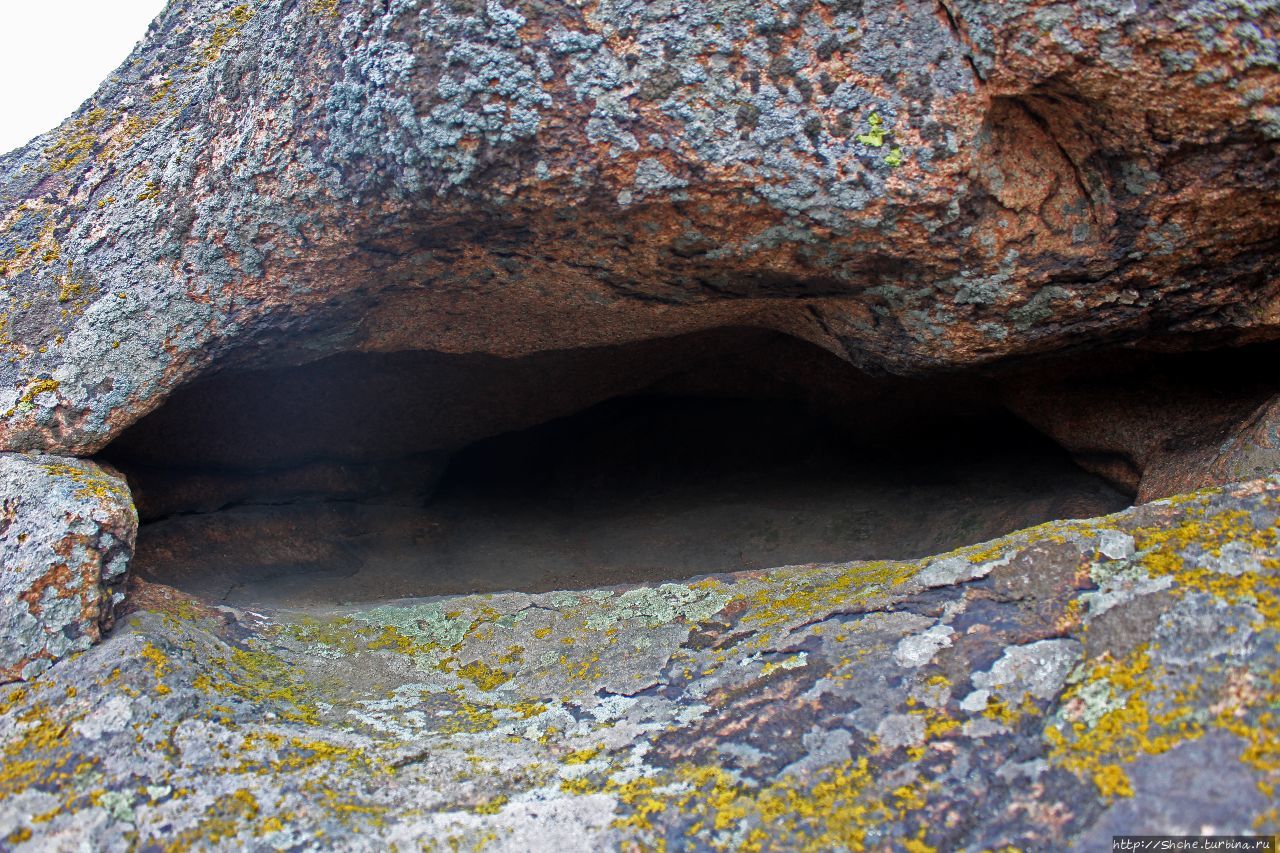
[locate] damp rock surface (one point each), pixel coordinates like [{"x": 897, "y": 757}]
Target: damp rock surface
[{"x": 947, "y": 703}]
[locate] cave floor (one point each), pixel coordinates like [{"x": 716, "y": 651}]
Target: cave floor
[{"x": 572, "y": 514}]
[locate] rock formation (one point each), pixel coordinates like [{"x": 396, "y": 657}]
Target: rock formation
[
  {"x": 67, "y": 528},
  {"x": 306, "y": 254},
  {"x": 1070, "y": 682},
  {"x": 912, "y": 186}
]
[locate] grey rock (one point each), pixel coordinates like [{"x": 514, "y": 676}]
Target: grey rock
[
  {"x": 67, "y": 529},
  {"x": 810, "y": 707}
]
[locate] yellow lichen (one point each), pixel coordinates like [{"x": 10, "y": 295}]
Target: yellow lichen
[
  {"x": 19, "y": 835},
  {"x": 259, "y": 676},
  {"x": 76, "y": 141},
  {"x": 814, "y": 592},
  {"x": 1128, "y": 723},
  {"x": 493, "y": 806},
  {"x": 484, "y": 676},
  {"x": 1162, "y": 552},
  {"x": 162, "y": 91},
  {"x": 159, "y": 664},
  {"x": 838, "y": 811},
  {"x": 582, "y": 756},
  {"x": 38, "y": 751},
  {"x": 150, "y": 192},
  {"x": 91, "y": 481},
  {"x": 222, "y": 821},
  {"x": 225, "y": 31}
]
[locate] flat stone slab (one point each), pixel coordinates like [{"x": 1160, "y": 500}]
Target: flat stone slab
[{"x": 1027, "y": 691}]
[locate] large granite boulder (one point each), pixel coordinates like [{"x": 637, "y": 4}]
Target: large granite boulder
[
  {"x": 1046, "y": 689},
  {"x": 911, "y": 186}
]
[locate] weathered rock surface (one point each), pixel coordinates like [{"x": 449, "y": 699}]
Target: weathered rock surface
[
  {"x": 910, "y": 185},
  {"x": 1158, "y": 425},
  {"x": 1058, "y": 685},
  {"x": 67, "y": 530},
  {"x": 397, "y": 228}
]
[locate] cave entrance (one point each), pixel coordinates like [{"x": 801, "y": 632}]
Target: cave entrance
[{"x": 370, "y": 477}]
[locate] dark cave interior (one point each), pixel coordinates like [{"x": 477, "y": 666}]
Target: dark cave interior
[{"x": 377, "y": 476}]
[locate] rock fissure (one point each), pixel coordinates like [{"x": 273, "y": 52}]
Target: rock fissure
[{"x": 953, "y": 22}]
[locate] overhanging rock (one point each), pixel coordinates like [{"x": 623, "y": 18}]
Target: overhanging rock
[
  {"x": 912, "y": 186},
  {"x": 1040, "y": 208}
]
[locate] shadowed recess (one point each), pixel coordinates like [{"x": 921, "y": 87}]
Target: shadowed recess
[{"x": 376, "y": 476}]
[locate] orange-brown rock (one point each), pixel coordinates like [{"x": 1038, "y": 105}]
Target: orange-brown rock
[
  {"x": 1158, "y": 425},
  {"x": 913, "y": 186}
]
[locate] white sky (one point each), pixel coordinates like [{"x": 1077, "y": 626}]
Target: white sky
[{"x": 54, "y": 53}]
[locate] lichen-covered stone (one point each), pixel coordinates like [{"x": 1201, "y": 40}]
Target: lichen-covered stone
[
  {"x": 67, "y": 530},
  {"x": 919, "y": 706},
  {"x": 914, "y": 186}
]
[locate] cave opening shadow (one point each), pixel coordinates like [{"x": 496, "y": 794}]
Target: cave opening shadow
[
  {"x": 653, "y": 488},
  {"x": 749, "y": 458}
]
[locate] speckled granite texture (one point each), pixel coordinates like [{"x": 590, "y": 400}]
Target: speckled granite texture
[
  {"x": 1063, "y": 683},
  {"x": 67, "y": 530},
  {"x": 915, "y": 187}
]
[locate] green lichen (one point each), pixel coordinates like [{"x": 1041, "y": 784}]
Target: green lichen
[
  {"x": 425, "y": 625},
  {"x": 313, "y": 754},
  {"x": 118, "y": 804},
  {"x": 876, "y": 135},
  {"x": 654, "y": 606},
  {"x": 335, "y": 635}
]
